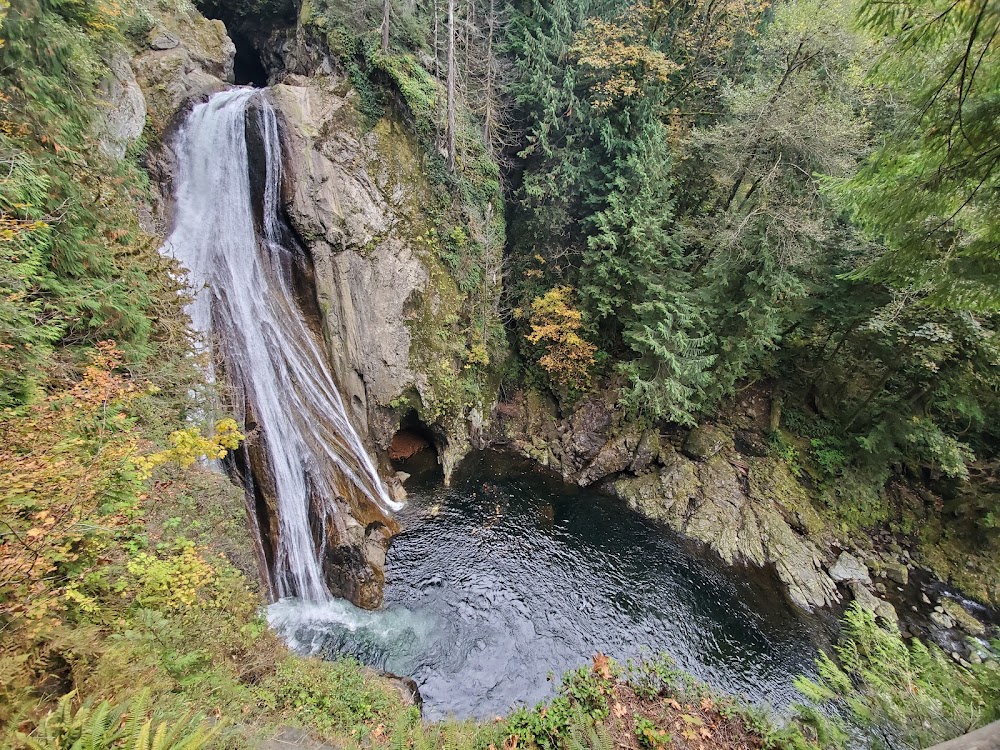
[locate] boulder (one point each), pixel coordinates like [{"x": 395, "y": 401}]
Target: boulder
[
  {"x": 161, "y": 39},
  {"x": 704, "y": 442},
  {"x": 864, "y": 597},
  {"x": 942, "y": 620},
  {"x": 614, "y": 457},
  {"x": 646, "y": 452},
  {"x": 896, "y": 572},
  {"x": 962, "y": 618},
  {"x": 848, "y": 568}
]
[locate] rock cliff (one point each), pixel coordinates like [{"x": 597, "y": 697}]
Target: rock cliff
[
  {"x": 715, "y": 483},
  {"x": 357, "y": 198}
]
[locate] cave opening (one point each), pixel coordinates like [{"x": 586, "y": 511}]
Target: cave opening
[
  {"x": 412, "y": 448},
  {"x": 248, "y": 68}
]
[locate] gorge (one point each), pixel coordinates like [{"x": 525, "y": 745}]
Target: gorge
[
  {"x": 469, "y": 344},
  {"x": 325, "y": 519}
]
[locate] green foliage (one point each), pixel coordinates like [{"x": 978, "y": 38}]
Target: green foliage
[
  {"x": 783, "y": 448},
  {"x": 829, "y": 454},
  {"x": 586, "y": 734},
  {"x": 583, "y": 696},
  {"x": 650, "y": 736},
  {"x": 764, "y": 232},
  {"x": 596, "y": 198},
  {"x": 901, "y": 691},
  {"x": 931, "y": 192},
  {"x": 77, "y": 267},
  {"x": 122, "y": 727},
  {"x": 651, "y": 678},
  {"x": 694, "y": 196},
  {"x": 329, "y": 696}
]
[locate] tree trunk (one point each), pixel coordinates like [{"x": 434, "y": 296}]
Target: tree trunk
[
  {"x": 437, "y": 78},
  {"x": 489, "y": 94},
  {"x": 386, "y": 9},
  {"x": 452, "y": 74}
]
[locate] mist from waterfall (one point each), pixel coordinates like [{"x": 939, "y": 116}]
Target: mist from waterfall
[{"x": 245, "y": 308}]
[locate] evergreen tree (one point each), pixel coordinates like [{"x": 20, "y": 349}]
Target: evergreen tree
[
  {"x": 766, "y": 236},
  {"x": 933, "y": 191},
  {"x": 633, "y": 281}
]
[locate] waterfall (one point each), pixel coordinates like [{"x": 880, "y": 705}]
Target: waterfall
[{"x": 245, "y": 306}]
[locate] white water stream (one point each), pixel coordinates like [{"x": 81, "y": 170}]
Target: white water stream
[{"x": 245, "y": 306}]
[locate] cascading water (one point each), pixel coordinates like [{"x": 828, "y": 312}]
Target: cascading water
[{"x": 241, "y": 274}]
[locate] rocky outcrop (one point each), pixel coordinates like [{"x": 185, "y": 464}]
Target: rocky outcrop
[
  {"x": 716, "y": 483},
  {"x": 591, "y": 443},
  {"x": 746, "y": 507},
  {"x": 184, "y": 59},
  {"x": 124, "y": 107},
  {"x": 357, "y": 196},
  {"x": 188, "y": 57}
]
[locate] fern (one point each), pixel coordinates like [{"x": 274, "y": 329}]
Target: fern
[
  {"x": 897, "y": 688},
  {"x": 109, "y": 727},
  {"x": 586, "y": 734}
]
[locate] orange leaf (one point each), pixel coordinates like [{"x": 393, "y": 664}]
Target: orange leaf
[{"x": 602, "y": 666}]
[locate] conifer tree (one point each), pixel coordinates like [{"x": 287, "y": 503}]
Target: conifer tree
[
  {"x": 633, "y": 278},
  {"x": 933, "y": 192}
]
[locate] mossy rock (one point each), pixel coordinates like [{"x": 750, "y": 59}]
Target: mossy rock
[{"x": 703, "y": 442}]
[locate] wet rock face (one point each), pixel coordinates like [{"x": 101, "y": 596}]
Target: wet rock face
[
  {"x": 188, "y": 58},
  {"x": 357, "y": 198},
  {"x": 364, "y": 275}
]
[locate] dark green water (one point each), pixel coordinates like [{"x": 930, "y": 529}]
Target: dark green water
[{"x": 510, "y": 575}]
